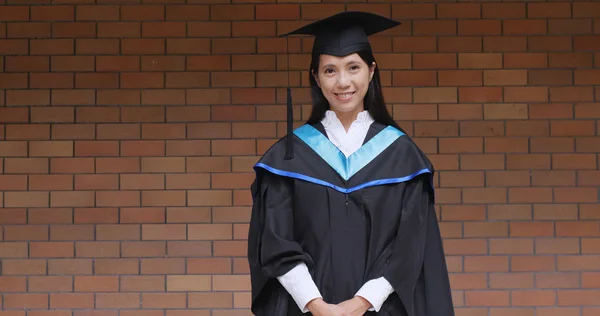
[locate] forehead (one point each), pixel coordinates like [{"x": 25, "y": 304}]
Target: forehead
[{"x": 335, "y": 60}]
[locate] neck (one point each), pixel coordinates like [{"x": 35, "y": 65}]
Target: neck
[{"x": 347, "y": 118}]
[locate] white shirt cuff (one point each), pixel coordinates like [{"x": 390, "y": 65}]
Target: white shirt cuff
[
  {"x": 299, "y": 283},
  {"x": 376, "y": 292}
]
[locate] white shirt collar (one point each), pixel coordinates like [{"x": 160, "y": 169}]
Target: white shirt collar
[
  {"x": 364, "y": 119},
  {"x": 347, "y": 142}
]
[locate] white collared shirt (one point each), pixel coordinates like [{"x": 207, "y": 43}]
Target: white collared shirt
[
  {"x": 347, "y": 142},
  {"x": 298, "y": 281}
]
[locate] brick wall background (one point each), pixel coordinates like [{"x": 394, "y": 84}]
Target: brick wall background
[{"x": 129, "y": 128}]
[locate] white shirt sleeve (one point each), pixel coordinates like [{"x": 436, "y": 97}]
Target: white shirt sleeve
[
  {"x": 299, "y": 283},
  {"x": 376, "y": 292}
]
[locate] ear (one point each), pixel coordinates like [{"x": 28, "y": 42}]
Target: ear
[{"x": 372, "y": 71}]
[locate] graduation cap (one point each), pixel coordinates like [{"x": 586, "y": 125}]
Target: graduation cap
[{"x": 339, "y": 35}]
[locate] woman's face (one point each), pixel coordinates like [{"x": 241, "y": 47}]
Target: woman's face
[{"x": 344, "y": 81}]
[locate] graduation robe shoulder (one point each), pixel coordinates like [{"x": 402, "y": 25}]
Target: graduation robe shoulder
[{"x": 350, "y": 220}]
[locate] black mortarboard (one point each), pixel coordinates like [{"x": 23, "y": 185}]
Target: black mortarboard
[{"x": 339, "y": 35}]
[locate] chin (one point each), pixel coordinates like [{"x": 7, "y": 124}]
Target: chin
[
  {"x": 338, "y": 106},
  {"x": 345, "y": 109}
]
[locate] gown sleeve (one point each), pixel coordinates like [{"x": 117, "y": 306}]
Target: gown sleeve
[
  {"x": 417, "y": 267},
  {"x": 272, "y": 249}
]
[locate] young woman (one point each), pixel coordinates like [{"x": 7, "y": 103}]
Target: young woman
[{"x": 343, "y": 219}]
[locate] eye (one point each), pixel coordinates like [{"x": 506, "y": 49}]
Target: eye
[
  {"x": 328, "y": 71},
  {"x": 352, "y": 68}
]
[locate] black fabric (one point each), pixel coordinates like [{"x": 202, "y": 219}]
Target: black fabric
[
  {"x": 347, "y": 239},
  {"x": 344, "y": 33}
]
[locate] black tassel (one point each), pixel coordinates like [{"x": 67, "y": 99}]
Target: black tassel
[{"x": 289, "y": 153}]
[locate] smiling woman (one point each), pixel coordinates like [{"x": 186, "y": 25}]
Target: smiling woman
[
  {"x": 344, "y": 82},
  {"x": 344, "y": 224}
]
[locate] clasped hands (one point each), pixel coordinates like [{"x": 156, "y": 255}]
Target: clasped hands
[{"x": 356, "y": 306}]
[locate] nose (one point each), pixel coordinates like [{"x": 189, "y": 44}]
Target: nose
[{"x": 343, "y": 79}]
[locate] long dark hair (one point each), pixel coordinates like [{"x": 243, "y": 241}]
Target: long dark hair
[{"x": 374, "y": 101}]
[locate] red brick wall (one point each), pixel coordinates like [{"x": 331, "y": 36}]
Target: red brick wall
[{"x": 129, "y": 131}]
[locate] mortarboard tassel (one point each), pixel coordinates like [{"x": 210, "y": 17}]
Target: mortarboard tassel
[{"x": 289, "y": 153}]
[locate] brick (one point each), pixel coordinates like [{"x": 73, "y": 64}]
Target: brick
[
  {"x": 25, "y": 300},
  {"x": 524, "y": 27},
  {"x": 133, "y": 46},
  {"x": 317, "y": 11},
  {"x": 479, "y": 27},
  {"x": 460, "y": 44},
  {"x": 567, "y": 27},
  {"x": 532, "y": 263},
  {"x": 571, "y": 195},
  {"x": 577, "y": 263},
  {"x": 434, "y": 27},
  {"x": 557, "y": 280},
  {"x": 19, "y": 233},
  {"x": 459, "y": 10},
  {"x": 550, "y": 77},
  {"x": 13, "y": 216},
  {"x": 479, "y": 94},
  {"x": 26, "y": 199},
  {"x": 16, "y": 13},
  {"x": 27, "y": 64},
  {"x": 212, "y": 300},
  {"x": 48, "y": 283},
  {"x": 425, "y": 44},
  {"x": 13, "y": 47},
  {"x": 459, "y": 78},
  {"x": 90, "y": 215},
  {"x": 507, "y": 178},
  {"x": 548, "y": 10},
  {"x": 461, "y": 145},
  {"x": 117, "y": 232},
  {"x": 533, "y": 298},
  {"x": 52, "y": 249},
  {"x": 97, "y": 249},
  {"x": 434, "y": 61},
  {"x": 505, "y": 44},
  {"x": 435, "y": 95},
  {"x": 511, "y": 246},
  {"x": 555, "y": 212},
  {"x": 70, "y": 266},
  {"x": 176, "y": 283},
  {"x": 574, "y": 161},
  {"x": 96, "y": 284},
  {"x": 557, "y": 246},
  {"x": 231, "y": 283},
  {"x": 38, "y": 97},
  {"x": 278, "y": 12},
  {"x": 527, "y": 128},
  {"x": 118, "y": 300},
  {"x": 142, "y": 12},
  {"x": 230, "y": 248},
  {"x": 578, "y": 297},
  {"x": 487, "y": 298},
  {"x": 506, "y": 145},
  {"x": 484, "y": 195},
  {"x": 477, "y": 229},
  {"x": 141, "y": 283},
  {"x": 570, "y": 60}
]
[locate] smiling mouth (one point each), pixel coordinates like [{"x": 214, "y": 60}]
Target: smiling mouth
[{"x": 344, "y": 95}]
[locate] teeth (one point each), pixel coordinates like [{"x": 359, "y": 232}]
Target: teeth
[{"x": 345, "y": 95}]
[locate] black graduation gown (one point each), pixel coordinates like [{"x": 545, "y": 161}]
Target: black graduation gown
[{"x": 350, "y": 220}]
